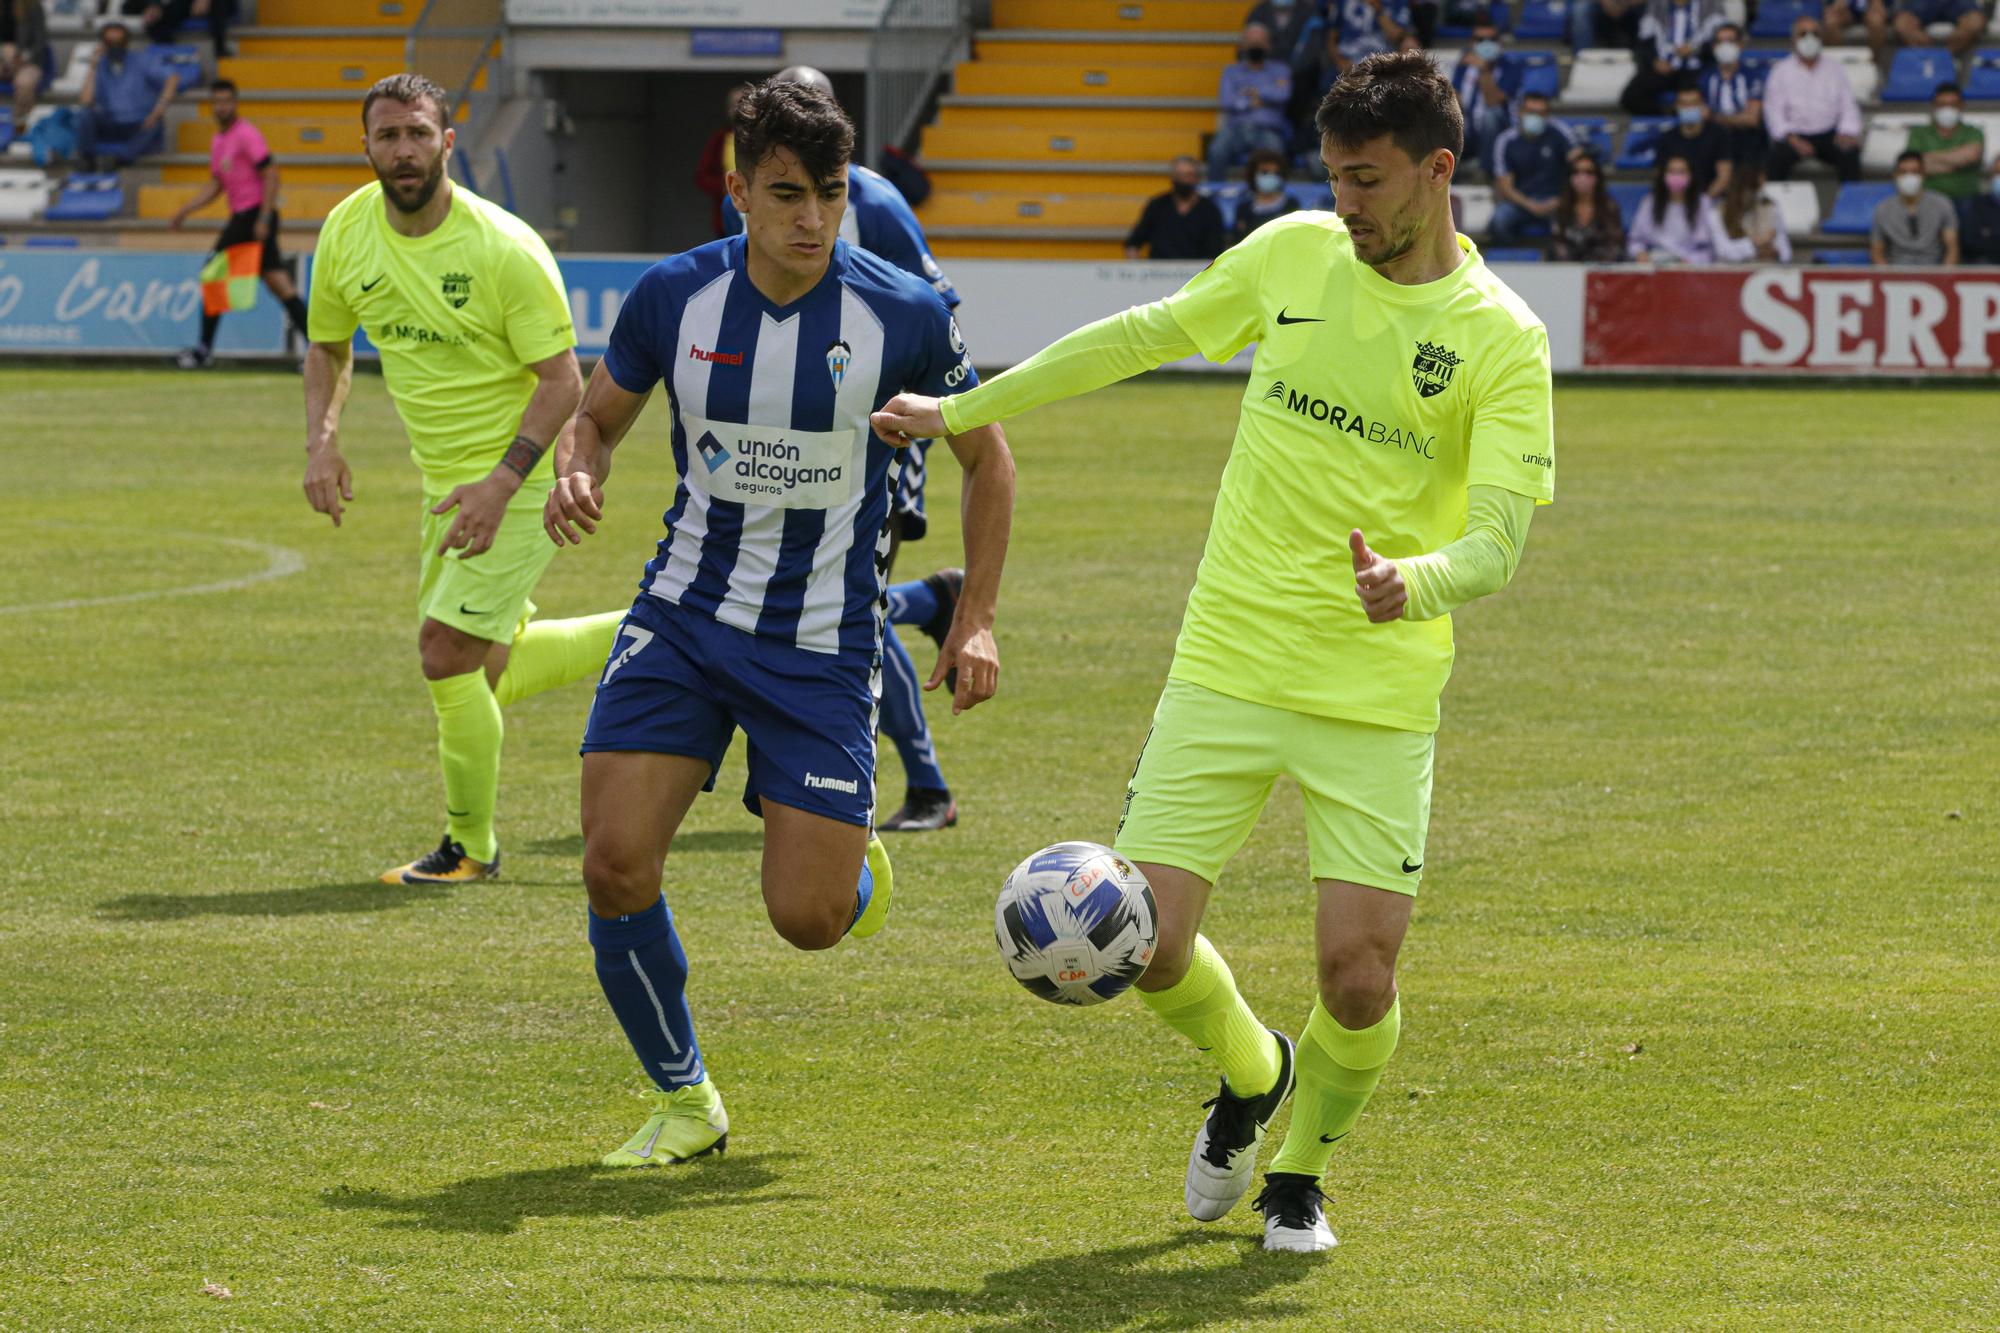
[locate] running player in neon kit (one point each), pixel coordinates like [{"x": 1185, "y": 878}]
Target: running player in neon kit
[
  {"x": 466, "y": 307},
  {"x": 879, "y": 220},
  {"x": 763, "y": 607},
  {"x": 1394, "y": 438}
]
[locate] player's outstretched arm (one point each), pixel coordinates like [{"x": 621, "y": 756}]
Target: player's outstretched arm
[
  {"x": 986, "y": 512},
  {"x": 583, "y": 457},
  {"x": 1479, "y": 563},
  {"x": 481, "y": 505},
  {"x": 329, "y": 373}
]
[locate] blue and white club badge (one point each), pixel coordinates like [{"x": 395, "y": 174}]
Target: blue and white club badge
[{"x": 838, "y": 354}]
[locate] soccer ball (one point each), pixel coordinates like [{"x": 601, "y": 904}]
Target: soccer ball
[{"x": 1076, "y": 923}]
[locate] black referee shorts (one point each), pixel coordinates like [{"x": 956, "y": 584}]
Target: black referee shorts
[{"x": 242, "y": 227}]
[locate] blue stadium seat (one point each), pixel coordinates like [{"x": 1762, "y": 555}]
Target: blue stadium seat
[
  {"x": 1854, "y": 207},
  {"x": 1982, "y": 81},
  {"x": 88, "y": 197},
  {"x": 1513, "y": 254},
  {"x": 6, "y": 127},
  {"x": 1543, "y": 21},
  {"x": 184, "y": 62},
  {"x": 1916, "y": 72},
  {"x": 1310, "y": 194},
  {"x": 50, "y": 242},
  {"x": 1775, "y": 17},
  {"x": 1539, "y": 72},
  {"x": 1501, "y": 13},
  {"x": 1629, "y": 194},
  {"x": 1842, "y": 258},
  {"x": 1593, "y": 132},
  {"x": 1641, "y": 141}
]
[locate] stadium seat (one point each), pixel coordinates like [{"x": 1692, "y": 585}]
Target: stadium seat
[
  {"x": 1543, "y": 21},
  {"x": 1539, "y": 72},
  {"x": 1886, "y": 135},
  {"x": 1641, "y": 141},
  {"x": 1775, "y": 17},
  {"x": 69, "y": 84},
  {"x": 24, "y": 193},
  {"x": 1989, "y": 124},
  {"x": 1513, "y": 254},
  {"x": 1799, "y": 202},
  {"x": 184, "y": 62},
  {"x": 1854, "y": 207},
  {"x": 1759, "y": 62},
  {"x": 1310, "y": 194},
  {"x": 50, "y": 242},
  {"x": 1982, "y": 81},
  {"x": 88, "y": 197},
  {"x": 1629, "y": 194},
  {"x": 1598, "y": 76},
  {"x": 1842, "y": 258},
  {"x": 1858, "y": 63},
  {"x": 6, "y": 127},
  {"x": 1475, "y": 208},
  {"x": 1501, "y": 13},
  {"x": 1592, "y": 132},
  {"x": 1916, "y": 72}
]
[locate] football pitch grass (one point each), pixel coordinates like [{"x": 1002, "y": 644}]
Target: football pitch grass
[{"x": 1699, "y": 998}]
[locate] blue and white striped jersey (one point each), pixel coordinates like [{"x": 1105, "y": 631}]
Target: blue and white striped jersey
[
  {"x": 879, "y": 220},
  {"x": 779, "y": 525}
]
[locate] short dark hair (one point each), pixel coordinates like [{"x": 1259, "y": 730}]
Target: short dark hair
[
  {"x": 1271, "y": 155},
  {"x": 222, "y": 86},
  {"x": 1398, "y": 93},
  {"x": 409, "y": 89},
  {"x": 1189, "y": 158},
  {"x": 1721, "y": 28},
  {"x": 1944, "y": 88},
  {"x": 797, "y": 116},
  {"x": 1908, "y": 155}
]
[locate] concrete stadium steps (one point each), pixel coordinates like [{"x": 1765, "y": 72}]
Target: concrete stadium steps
[
  {"x": 1118, "y": 15},
  {"x": 313, "y": 73},
  {"x": 1046, "y": 48},
  {"x": 955, "y": 244},
  {"x": 1088, "y": 82},
  {"x": 1083, "y": 145},
  {"x": 341, "y": 43},
  {"x": 299, "y": 203},
  {"x": 349, "y": 172},
  {"x": 1067, "y": 116},
  {"x": 1139, "y": 180},
  {"x": 289, "y": 137},
  {"x": 335, "y": 108},
  {"x": 396, "y": 14},
  {"x": 1027, "y": 211}
]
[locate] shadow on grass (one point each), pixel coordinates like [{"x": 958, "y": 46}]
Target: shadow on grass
[
  {"x": 497, "y": 1205},
  {"x": 362, "y": 896},
  {"x": 687, "y": 840},
  {"x": 1120, "y": 1285}
]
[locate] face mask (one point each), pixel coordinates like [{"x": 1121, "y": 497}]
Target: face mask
[
  {"x": 1910, "y": 184},
  {"x": 1255, "y": 54},
  {"x": 1947, "y": 117},
  {"x": 1487, "y": 49},
  {"x": 1183, "y": 189},
  {"x": 1808, "y": 47},
  {"x": 1533, "y": 124},
  {"x": 1679, "y": 180},
  {"x": 1689, "y": 115},
  {"x": 1727, "y": 53},
  {"x": 1269, "y": 182}
]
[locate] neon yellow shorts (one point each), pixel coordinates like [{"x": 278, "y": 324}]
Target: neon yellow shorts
[
  {"x": 1208, "y": 765},
  {"x": 488, "y": 595}
]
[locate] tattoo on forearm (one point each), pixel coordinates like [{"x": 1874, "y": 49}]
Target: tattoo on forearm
[{"x": 522, "y": 455}]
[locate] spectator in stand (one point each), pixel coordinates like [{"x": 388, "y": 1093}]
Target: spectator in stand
[
  {"x": 1753, "y": 226},
  {"x": 1254, "y": 93},
  {"x": 124, "y": 100},
  {"x": 1844, "y": 14},
  {"x": 1613, "y": 23},
  {"x": 1809, "y": 109},
  {"x": 1180, "y": 224},
  {"x": 26, "y": 58},
  {"x": 1678, "y": 223},
  {"x": 1588, "y": 228},
  {"x": 1914, "y": 226},
  {"x": 1366, "y": 27},
  {"x": 1291, "y": 24},
  {"x": 1267, "y": 198},
  {"x": 1982, "y": 223},
  {"x": 163, "y": 18},
  {"x": 1674, "y": 41},
  {"x": 1951, "y": 149},
  {"x": 1485, "y": 84},
  {"x": 718, "y": 159},
  {"x": 1735, "y": 98},
  {"x": 1700, "y": 140},
  {"x": 1911, "y": 17},
  {"x": 1529, "y": 164}
]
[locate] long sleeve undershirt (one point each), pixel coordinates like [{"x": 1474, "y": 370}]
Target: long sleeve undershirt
[{"x": 1479, "y": 563}]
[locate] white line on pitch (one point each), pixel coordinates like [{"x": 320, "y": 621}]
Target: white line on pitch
[{"x": 284, "y": 562}]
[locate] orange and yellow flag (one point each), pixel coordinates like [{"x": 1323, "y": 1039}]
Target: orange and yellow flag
[{"x": 229, "y": 279}]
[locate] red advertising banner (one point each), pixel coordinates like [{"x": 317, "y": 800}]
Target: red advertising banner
[{"x": 1793, "y": 320}]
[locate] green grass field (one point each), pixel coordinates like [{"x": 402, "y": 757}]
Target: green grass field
[{"x": 1699, "y": 999}]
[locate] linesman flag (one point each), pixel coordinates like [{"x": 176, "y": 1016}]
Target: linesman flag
[{"x": 229, "y": 279}]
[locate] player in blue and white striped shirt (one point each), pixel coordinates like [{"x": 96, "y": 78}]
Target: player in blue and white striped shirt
[{"x": 763, "y": 607}]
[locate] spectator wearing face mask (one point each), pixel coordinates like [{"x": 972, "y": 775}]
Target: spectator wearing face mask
[
  {"x": 1911, "y": 18},
  {"x": 1913, "y": 226},
  {"x": 1529, "y": 163},
  {"x": 125, "y": 98},
  {"x": 1589, "y": 229},
  {"x": 1267, "y": 198},
  {"x": 1485, "y": 84},
  {"x": 1612, "y": 23},
  {"x": 1677, "y": 223},
  {"x": 1982, "y": 222},
  {"x": 1699, "y": 140},
  {"x": 1674, "y": 38},
  {"x": 1809, "y": 109},
  {"x": 1950, "y": 148},
  {"x": 1752, "y": 229},
  {"x": 1179, "y": 224},
  {"x": 1253, "y": 96},
  {"x": 1735, "y": 98}
]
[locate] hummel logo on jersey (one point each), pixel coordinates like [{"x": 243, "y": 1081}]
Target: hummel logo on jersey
[
  {"x": 457, "y": 289},
  {"x": 371, "y": 286},
  {"x": 699, "y": 353},
  {"x": 1432, "y": 368},
  {"x": 1284, "y": 318},
  {"x": 838, "y": 355},
  {"x": 1409, "y": 869},
  {"x": 1406, "y": 438},
  {"x": 849, "y": 785},
  {"x": 712, "y": 452}
]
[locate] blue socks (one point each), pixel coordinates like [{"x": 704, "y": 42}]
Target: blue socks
[
  {"x": 903, "y": 716},
  {"x": 912, "y": 603},
  {"x": 644, "y": 973}
]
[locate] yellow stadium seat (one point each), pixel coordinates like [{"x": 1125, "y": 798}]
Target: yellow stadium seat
[
  {"x": 1208, "y": 55},
  {"x": 398, "y": 14},
  {"x": 982, "y": 78},
  {"x": 1121, "y": 15}
]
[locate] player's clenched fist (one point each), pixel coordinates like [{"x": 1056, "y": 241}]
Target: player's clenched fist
[
  {"x": 328, "y": 482},
  {"x": 1378, "y": 581},
  {"x": 576, "y": 502},
  {"x": 908, "y": 417}
]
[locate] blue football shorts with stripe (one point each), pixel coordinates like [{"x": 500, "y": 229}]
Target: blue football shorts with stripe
[{"x": 678, "y": 682}]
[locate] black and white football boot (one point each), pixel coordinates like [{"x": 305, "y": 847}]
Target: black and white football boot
[{"x": 1225, "y": 1151}]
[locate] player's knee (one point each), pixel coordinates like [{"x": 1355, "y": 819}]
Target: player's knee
[
  {"x": 1357, "y": 988},
  {"x": 1173, "y": 953},
  {"x": 809, "y": 921},
  {"x": 618, "y": 884}
]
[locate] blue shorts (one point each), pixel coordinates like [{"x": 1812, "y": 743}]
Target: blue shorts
[
  {"x": 678, "y": 682},
  {"x": 909, "y": 502}
]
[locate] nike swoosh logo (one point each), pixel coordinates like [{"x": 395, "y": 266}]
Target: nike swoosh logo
[
  {"x": 371, "y": 286},
  {"x": 1334, "y": 1138},
  {"x": 1284, "y": 318},
  {"x": 647, "y": 1151},
  {"x": 465, "y": 610},
  {"x": 456, "y": 814},
  {"x": 1409, "y": 869}
]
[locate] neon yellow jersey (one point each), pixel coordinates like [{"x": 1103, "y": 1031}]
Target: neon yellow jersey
[
  {"x": 458, "y": 315},
  {"x": 1370, "y": 405}
]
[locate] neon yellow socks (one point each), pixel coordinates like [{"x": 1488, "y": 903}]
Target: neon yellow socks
[
  {"x": 1204, "y": 1007},
  {"x": 469, "y": 735},
  {"x": 1338, "y": 1069},
  {"x": 549, "y": 653}
]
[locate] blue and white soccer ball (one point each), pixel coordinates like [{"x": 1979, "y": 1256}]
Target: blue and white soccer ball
[{"x": 1076, "y": 923}]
